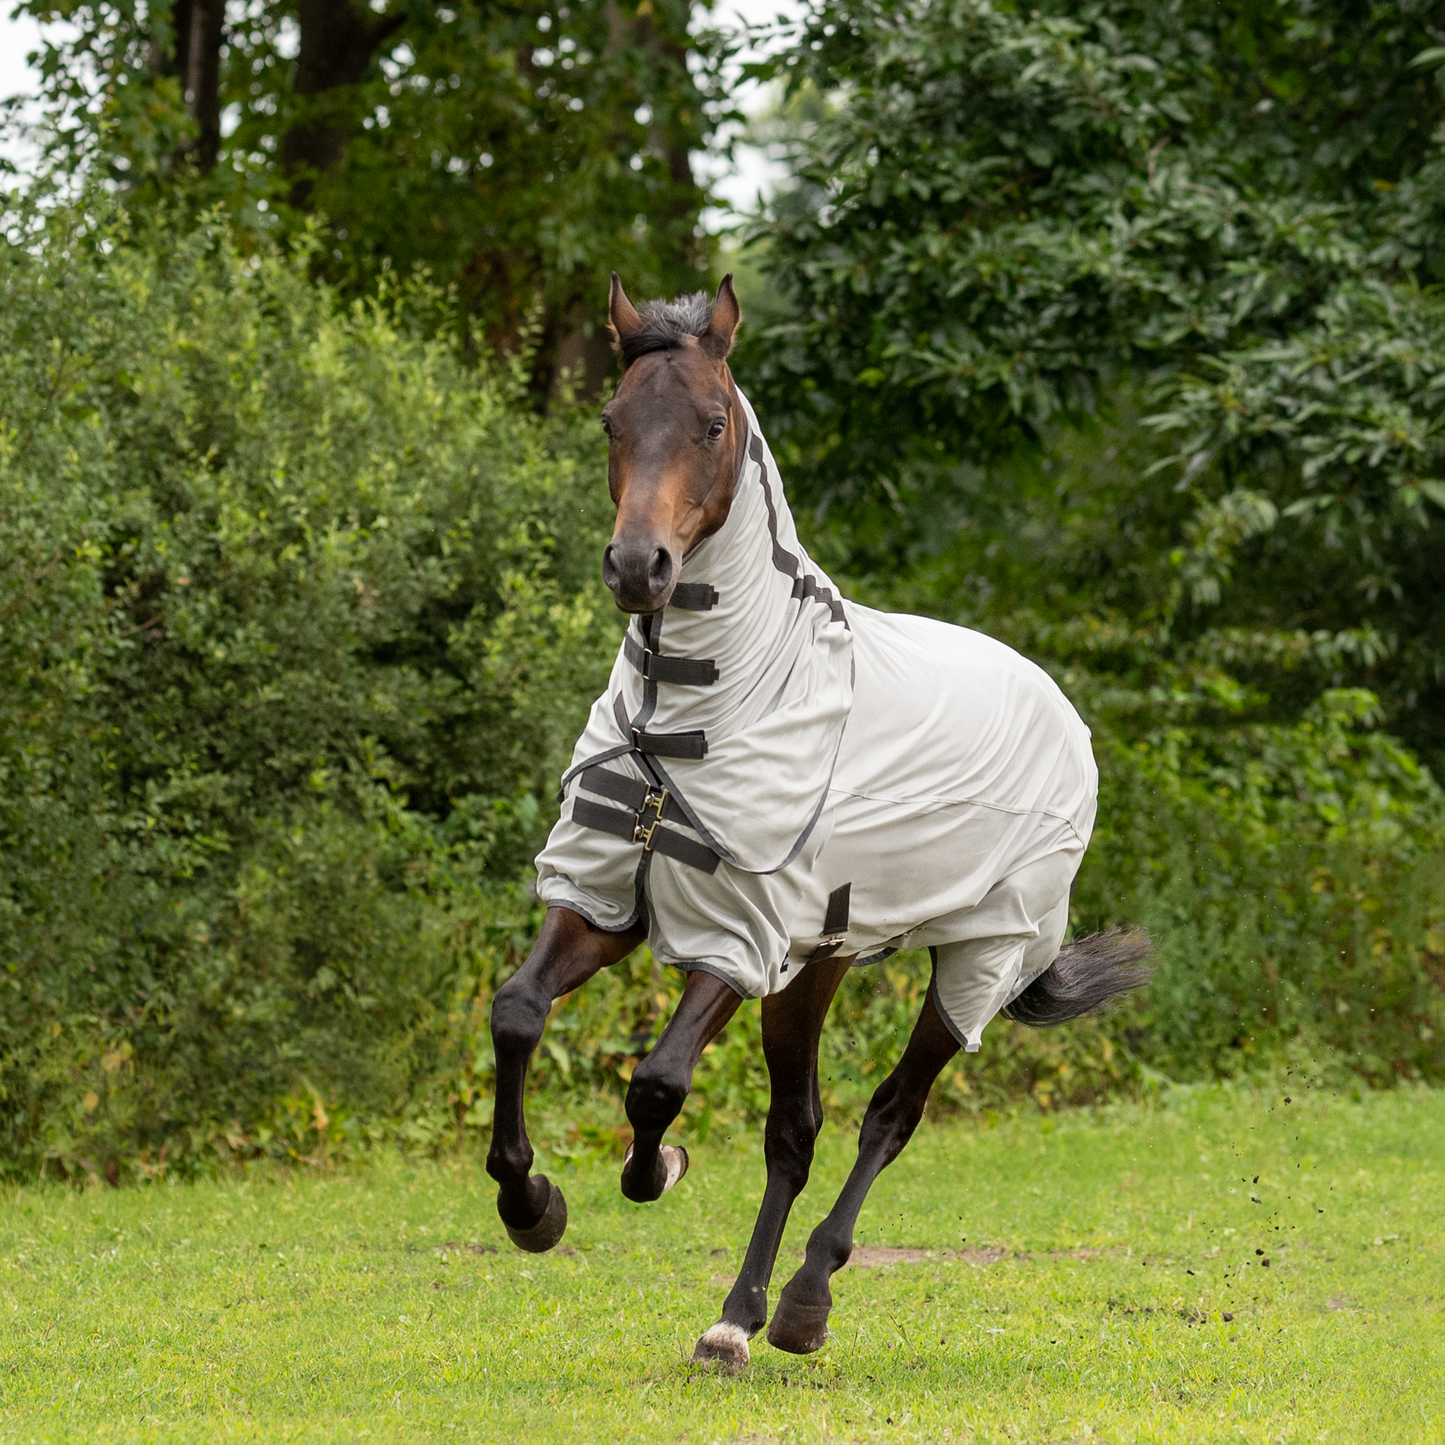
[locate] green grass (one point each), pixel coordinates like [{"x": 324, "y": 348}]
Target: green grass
[{"x": 371, "y": 1305}]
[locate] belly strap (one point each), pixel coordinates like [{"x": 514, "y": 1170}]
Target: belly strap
[{"x": 835, "y": 925}]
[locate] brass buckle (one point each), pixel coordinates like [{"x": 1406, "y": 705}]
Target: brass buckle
[
  {"x": 832, "y": 940},
  {"x": 642, "y": 831}
]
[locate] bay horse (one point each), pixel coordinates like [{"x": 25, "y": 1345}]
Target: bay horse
[{"x": 776, "y": 786}]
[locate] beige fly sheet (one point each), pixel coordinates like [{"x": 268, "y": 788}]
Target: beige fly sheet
[{"x": 775, "y": 775}]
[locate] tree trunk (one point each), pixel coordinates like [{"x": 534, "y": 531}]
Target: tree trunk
[
  {"x": 203, "y": 79},
  {"x": 584, "y": 355},
  {"x": 681, "y": 251},
  {"x": 162, "y": 60},
  {"x": 194, "y": 58},
  {"x": 338, "y": 41}
]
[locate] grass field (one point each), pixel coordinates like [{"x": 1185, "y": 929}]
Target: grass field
[{"x": 1121, "y": 1276}]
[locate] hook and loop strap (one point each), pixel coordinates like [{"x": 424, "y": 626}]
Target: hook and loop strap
[
  {"x": 835, "y": 925},
  {"x": 694, "y": 596},
  {"x": 644, "y": 824},
  {"x": 687, "y": 671},
  {"x": 630, "y": 791},
  {"x": 691, "y": 744}
]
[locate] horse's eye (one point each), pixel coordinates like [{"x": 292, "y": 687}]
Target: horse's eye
[
  {"x": 717, "y": 429},
  {"x": 607, "y": 426}
]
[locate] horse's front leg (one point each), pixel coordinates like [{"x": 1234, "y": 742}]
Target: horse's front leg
[
  {"x": 792, "y": 1026},
  {"x": 800, "y": 1323},
  {"x": 660, "y": 1084},
  {"x": 568, "y": 951}
]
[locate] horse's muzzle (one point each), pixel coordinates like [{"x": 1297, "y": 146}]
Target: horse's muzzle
[{"x": 641, "y": 574}]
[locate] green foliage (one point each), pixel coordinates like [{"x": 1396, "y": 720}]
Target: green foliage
[
  {"x": 1011, "y": 203},
  {"x": 301, "y": 619},
  {"x": 519, "y": 154},
  {"x": 1017, "y": 220},
  {"x": 1291, "y": 879},
  {"x": 300, "y": 614}
]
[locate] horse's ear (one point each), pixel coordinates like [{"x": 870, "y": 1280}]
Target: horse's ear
[
  {"x": 622, "y": 315},
  {"x": 717, "y": 340}
]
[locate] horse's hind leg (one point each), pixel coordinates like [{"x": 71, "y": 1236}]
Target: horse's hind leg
[
  {"x": 568, "y": 951},
  {"x": 792, "y": 1024},
  {"x": 800, "y": 1323}
]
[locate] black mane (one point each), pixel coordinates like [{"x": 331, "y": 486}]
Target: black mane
[{"x": 665, "y": 326}]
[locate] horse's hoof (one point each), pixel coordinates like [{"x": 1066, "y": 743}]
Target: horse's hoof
[
  {"x": 798, "y": 1327},
  {"x": 674, "y": 1163},
  {"x": 548, "y": 1230},
  {"x": 723, "y": 1347},
  {"x": 675, "y": 1157}
]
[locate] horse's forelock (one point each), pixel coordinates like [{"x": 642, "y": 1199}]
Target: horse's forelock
[{"x": 666, "y": 325}]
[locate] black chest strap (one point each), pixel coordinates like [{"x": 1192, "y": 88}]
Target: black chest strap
[
  {"x": 684, "y": 671},
  {"x": 651, "y": 807},
  {"x": 691, "y": 744}
]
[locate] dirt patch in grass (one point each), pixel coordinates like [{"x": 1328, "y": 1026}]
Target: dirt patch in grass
[
  {"x": 881, "y": 1256},
  {"x": 878, "y": 1256},
  {"x": 869, "y": 1256}
]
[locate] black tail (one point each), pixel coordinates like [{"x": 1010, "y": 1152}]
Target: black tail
[{"x": 1084, "y": 978}]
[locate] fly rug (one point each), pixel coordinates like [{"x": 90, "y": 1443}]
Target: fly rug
[{"x": 778, "y": 785}]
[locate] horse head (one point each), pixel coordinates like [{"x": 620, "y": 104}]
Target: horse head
[{"x": 676, "y": 433}]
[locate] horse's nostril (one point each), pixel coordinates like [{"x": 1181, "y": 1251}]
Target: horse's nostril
[{"x": 637, "y": 572}]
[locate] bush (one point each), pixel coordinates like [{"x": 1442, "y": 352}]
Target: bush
[
  {"x": 1290, "y": 875},
  {"x": 300, "y": 618},
  {"x": 300, "y": 623}
]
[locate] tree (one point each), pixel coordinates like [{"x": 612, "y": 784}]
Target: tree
[
  {"x": 518, "y": 153},
  {"x": 1230, "y": 214}
]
